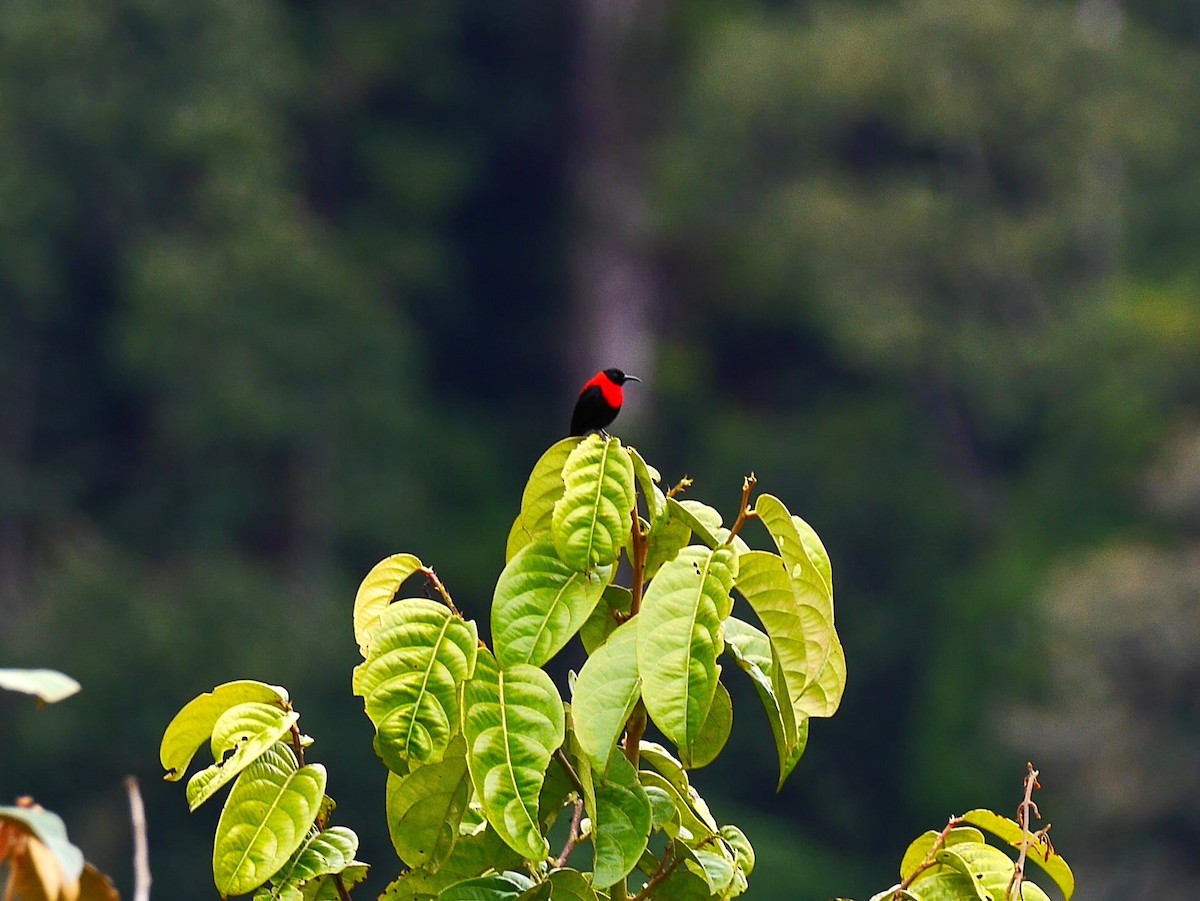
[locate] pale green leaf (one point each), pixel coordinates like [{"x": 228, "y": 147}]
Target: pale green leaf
[
  {"x": 815, "y": 549},
  {"x": 699, "y": 518},
  {"x": 753, "y": 653},
  {"x": 425, "y": 807},
  {"x": 1041, "y": 853},
  {"x": 647, "y": 480},
  {"x": 714, "y": 731},
  {"x": 823, "y": 695},
  {"x": 793, "y": 547},
  {"x": 743, "y": 851},
  {"x": 662, "y": 807},
  {"x": 670, "y": 776},
  {"x": 975, "y": 875},
  {"x": 591, "y": 520},
  {"x": 540, "y": 603},
  {"x": 50, "y": 831},
  {"x": 376, "y": 592},
  {"x": 266, "y": 817},
  {"x": 621, "y": 817},
  {"x": 921, "y": 849},
  {"x": 193, "y": 725},
  {"x": 718, "y": 867},
  {"x": 605, "y": 693},
  {"x": 669, "y": 534},
  {"x": 239, "y": 736},
  {"x": 324, "y": 888},
  {"x": 325, "y": 853},
  {"x": 615, "y": 600},
  {"x": 679, "y": 639},
  {"x": 513, "y": 721},
  {"x": 420, "y": 654},
  {"x": 544, "y": 488},
  {"x": 895, "y": 893},
  {"x": 48, "y": 685}
]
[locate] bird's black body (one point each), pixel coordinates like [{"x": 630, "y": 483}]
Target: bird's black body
[{"x": 599, "y": 401}]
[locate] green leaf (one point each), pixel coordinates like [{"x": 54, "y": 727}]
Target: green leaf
[
  {"x": 324, "y": 888},
  {"x": 603, "y": 621},
  {"x": 1041, "y": 853},
  {"x": 743, "y": 851},
  {"x": 662, "y": 806},
  {"x": 753, "y": 653},
  {"x": 647, "y": 480},
  {"x": 815, "y": 549},
  {"x": 376, "y": 592},
  {"x": 717, "y": 866},
  {"x": 700, "y": 519},
  {"x": 239, "y": 736},
  {"x": 788, "y": 537},
  {"x": 48, "y": 685},
  {"x": 513, "y": 721},
  {"x": 668, "y": 536},
  {"x": 50, "y": 830},
  {"x": 540, "y": 603},
  {"x": 593, "y": 517},
  {"x": 420, "y": 654},
  {"x": 714, "y": 731},
  {"x": 193, "y": 725},
  {"x": 922, "y": 847},
  {"x": 670, "y": 776},
  {"x": 497, "y": 887},
  {"x": 266, "y": 817},
  {"x": 570, "y": 885},
  {"x": 679, "y": 640},
  {"x": 323, "y": 853},
  {"x": 952, "y": 859},
  {"x": 605, "y": 693},
  {"x": 544, "y": 488},
  {"x": 621, "y": 817},
  {"x": 425, "y": 807},
  {"x": 472, "y": 854},
  {"x": 823, "y": 695}
]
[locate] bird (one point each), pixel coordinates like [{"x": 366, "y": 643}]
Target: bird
[{"x": 599, "y": 401}]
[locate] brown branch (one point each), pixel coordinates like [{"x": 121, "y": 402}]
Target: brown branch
[
  {"x": 744, "y": 511},
  {"x": 929, "y": 861},
  {"x": 1024, "y": 809},
  {"x": 440, "y": 588},
  {"x": 297, "y": 744},
  {"x": 635, "y": 728},
  {"x": 340, "y": 885},
  {"x": 640, "y": 548},
  {"x": 662, "y": 874},
  {"x": 679, "y": 487},
  {"x": 570, "y": 771},
  {"x": 572, "y": 836},
  {"x": 141, "y": 851}
]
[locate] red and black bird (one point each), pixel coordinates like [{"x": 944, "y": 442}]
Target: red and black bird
[{"x": 599, "y": 401}]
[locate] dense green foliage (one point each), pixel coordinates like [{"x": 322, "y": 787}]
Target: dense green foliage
[{"x": 286, "y": 286}]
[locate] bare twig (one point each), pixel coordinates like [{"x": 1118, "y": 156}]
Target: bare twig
[
  {"x": 744, "y": 511},
  {"x": 640, "y": 549},
  {"x": 441, "y": 589},
  {"x": 141, "y": 851},
  {"x": 666, "y": 867},
  {"x": 340, "y": 885},
  {"x": 679, "y": 487},
  {"x": 573, "y": 776},
  {"x": 929, "y": 861},
  {"x": 572, "y": 836},
  {"x": 1024, "y": 809}
]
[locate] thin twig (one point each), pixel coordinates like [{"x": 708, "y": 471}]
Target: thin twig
[
  {"x": 679, "y": 487},
  {"x": 663, "y": 873},
  {"x": 572, "y": 836},
  {"x": 640, "y": 549},
  {"x": 441, "y": 589},
  {"x": 340, "y": 885},
  {"x": 297, "y": 744},
  {"x": 1027, "y": 806},
  {"x": 929, "y": 861},
  {"x": 744, "y": 511},
  {"x": 141, "y": 851},
  {"x": 573, "y": 776}
]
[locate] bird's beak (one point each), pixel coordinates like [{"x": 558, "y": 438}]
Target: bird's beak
[{"x": 632, "y": 378}]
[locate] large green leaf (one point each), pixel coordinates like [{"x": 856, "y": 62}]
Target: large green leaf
[
  {"x": 621, "y": 816},
  {"x": 48, "y": 685},
  {"x": 425, "y": 808},
  {"x": 239, "y": 736},
  {"x": 473, "y": 854},
  {"x": 823, "y": 695},
  {"x": 591, "y": 520},
  {"x": 1040, "y": 853},
  {"x": 540, "y": 603},
  {"x": 700, "y": 519},
  {"x": 793, "y": 542},
  {"x": 668, "y": 536},
  {"x": 513, "y": 721},
  {"x": 266, "y": 818},
  {"x": 324, "y": 853},
  {"x": 714, "y": 731},
  {"x": 325, "y": 888},
  {"x": 670, "y": 776},
  {"x": 544, "y": 488},
  {"x": 754, "y": 655},
  {"x": 376, "y": 592},
  {"x": 647, "y": 479},
  {"x": 48, "y": 828},
  {"x": 922, "y": 847},
  {"x": 679, "y": 639},
  {"x": 815, "y": 548},
  {"x": 193, "y": 725},
  {"x": 605, "y": 693},
  {"x": 420, "y": 654},
  {"x": 496, "y": 887},
  {"x": 570, "y": 885}
]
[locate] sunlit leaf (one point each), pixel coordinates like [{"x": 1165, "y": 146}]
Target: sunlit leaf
[
  {"x": 376, "y": 592},
  {"x": 662, "y": 806},
  {"x": 513, "y": 721},
  {"x": 497, "y": 887},
  {"x": 472, "y": 854},
  {"x": 621, "y": 817},
  {"x": 193, "y": 725},
  {"x": 743, "y": 851},
  {"x": 603, "y": 621},
  {"x": 323, "y": 853},
  {"x": 593, "y": 517},
  {"x": 647, "y": 480},
  {"x": 570, "y": 885},
  {"x": 544, "y": 488},
  {"x": 239, "y": 736},
  {"x": 823, "y": 695},
  {"x": 921, "y": 849},
  {"x": 425, "y": 807},
  {"x": 605, "y": 693},
  {"x": 815, "y": 548},
  {"x": 324, "y": 888},
  {"x": 668, "y": 774},
  {"x": 789, "y": 537},
  {"x": 540, "y": 603},
  {"x": 679, "y": 640},
  {"x": 420, "y": 654},
  {"x": 669, "y": 534},
  {"x": 700, "y": 519},
  {"x": 47, "y": 685},
  {"x": 714, "y": 731},
  {"x": 1041, "y": 853},
  {"x": 266, "y": 818}
]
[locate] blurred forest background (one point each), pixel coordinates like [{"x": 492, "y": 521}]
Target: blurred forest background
[{"x": 289, "y": 286}]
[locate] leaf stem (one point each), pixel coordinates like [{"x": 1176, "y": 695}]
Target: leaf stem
[
  {"x": 572, "y": 776},
  {"x": 572, "y": 836},
  {"x": 929, "y": 861},
  {"x": 744, "y": 511},
  {"x": 664, "y": 872},
  {"x": 343, "y": 892},
  {"x": 1024, "y": 809},
  {"x": 640, "y": 549},
  {"x": 635, "y": 728},
  {"x": 297, "y": 745},
  {"x": 440, "y": 588}
]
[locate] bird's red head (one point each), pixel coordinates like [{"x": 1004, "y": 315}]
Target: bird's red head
[{"x": 609, "y": 381}]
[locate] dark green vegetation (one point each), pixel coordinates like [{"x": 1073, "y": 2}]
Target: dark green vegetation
[{"x": 284, "y": 287}]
